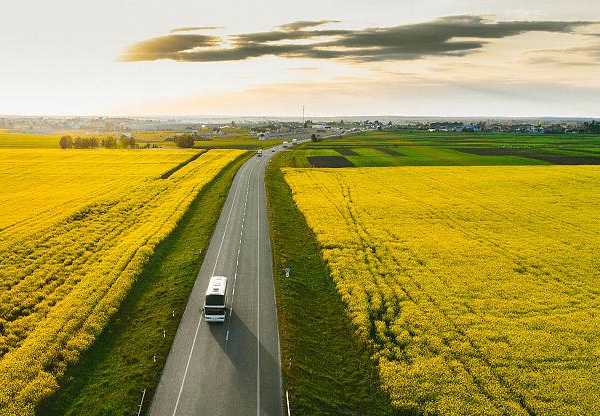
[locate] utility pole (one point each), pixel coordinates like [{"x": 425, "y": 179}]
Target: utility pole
[{"x": 302, "y": 116}]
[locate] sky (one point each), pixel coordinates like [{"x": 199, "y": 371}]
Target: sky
[{"x": 272, "y": 57}]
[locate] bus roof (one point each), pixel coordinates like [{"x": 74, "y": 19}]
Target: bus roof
[{"x": 217, "y": 286}]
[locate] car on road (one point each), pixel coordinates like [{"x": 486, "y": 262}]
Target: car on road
[
  {"x": 259, "y": 153},
  {"x": 272, "y": 150}
]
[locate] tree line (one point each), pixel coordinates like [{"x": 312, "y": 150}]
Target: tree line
[
  {"x": 592, "y": 127},
  {"x": 123, "y": 142}
]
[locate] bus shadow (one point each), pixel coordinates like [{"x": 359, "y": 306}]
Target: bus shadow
[{"x": 241, "y": 349}]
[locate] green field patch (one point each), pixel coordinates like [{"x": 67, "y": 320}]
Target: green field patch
[
  {"x": 344, "y": 151},
  {"x": 375, "y": 161},
  {"x": 421, "y": 148},
  {"x": 550, "y": 157},
  {"x": 436, "y": 156},
  {"x": 370, "y": 152},
  {"x": 320, "y": 152}
]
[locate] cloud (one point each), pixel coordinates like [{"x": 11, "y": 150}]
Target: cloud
[
  {"x": 447, "y": 36},
  {"x": 167, "y": 47},
  {"x": 194, "y": 28},
  {"x": 303, "y": 24},
  {"x": 581, "y": 56}
]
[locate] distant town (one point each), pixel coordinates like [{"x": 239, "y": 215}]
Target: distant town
[{"x": 271, "y": 127}]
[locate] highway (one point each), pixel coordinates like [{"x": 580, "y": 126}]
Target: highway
[{"x": 231, "y": 368}]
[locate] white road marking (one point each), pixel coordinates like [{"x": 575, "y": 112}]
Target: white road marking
[
  {"x": 226, "y": 226},
  {"x": 237, "y": 260},
  {"x": 187, "y": 366}
]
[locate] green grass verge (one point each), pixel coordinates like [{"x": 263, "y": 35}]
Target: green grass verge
[
  {"x": 109, "y": 379},
  {"x": 325, "y": 367}
]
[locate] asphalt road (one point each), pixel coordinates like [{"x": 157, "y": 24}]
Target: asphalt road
[{"x": 231, "y": 368}]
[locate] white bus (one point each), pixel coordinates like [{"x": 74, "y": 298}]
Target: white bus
[
  {"x": 285, "y": 144},
  {"x": 294, "y": 141},
  {"x": 216, "y": 297},
  {"x": 259, "y": 152}
]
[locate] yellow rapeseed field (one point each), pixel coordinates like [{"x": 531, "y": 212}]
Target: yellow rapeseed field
[
  {"x": 76, "y": 228},
  {"x": 477, "y": 289}
]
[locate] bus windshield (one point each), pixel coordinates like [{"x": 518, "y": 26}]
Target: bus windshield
[{"x": 214, "y": 311}]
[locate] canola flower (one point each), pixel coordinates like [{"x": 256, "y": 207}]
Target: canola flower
[
  {"x": 76, "y": 229},
  {"x": 475, "y": 288}
]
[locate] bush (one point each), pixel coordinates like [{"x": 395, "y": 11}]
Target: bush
[
  {"x": 66, "y": 142},
  {"x": 85, "y": 142},
  {"x": 109, "y": 143},
  {"x": 185, "y": 141}
]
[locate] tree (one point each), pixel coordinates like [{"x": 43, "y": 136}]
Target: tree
[
  {"x": 314, "y": 137},
  {"x": 109, "y": 143},
  {"x": 185, "y": 141},
  {"x": 79, "y": 143},
  {"x": 85, "y": 142},
  {"x": 131, "y": 142},
  {"x": 123, "y": 142},
  {"x": 66, "y": 142},
  {"x": 92, "y": 142}
]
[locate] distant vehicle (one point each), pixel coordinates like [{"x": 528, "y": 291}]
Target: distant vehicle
[
  {"x": 215, "y": 299},
  {"x": 285, "y": 144},
  {"x": 294, "y": 141},
  {"x": 259, "y": 153},
  {"x": 273, "y": 150}
]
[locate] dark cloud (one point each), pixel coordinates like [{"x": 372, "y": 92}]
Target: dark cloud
[
  {"x": 448, "y": 36},
  {"x": 194, "y": 28}
]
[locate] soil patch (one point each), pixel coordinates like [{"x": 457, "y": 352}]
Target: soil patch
[{"x": 329, "y": 162}]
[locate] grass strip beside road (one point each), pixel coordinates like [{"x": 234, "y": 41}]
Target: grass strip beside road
[
  {"x": 130, "y": 354},
  {"x": 326, "y": 369}
]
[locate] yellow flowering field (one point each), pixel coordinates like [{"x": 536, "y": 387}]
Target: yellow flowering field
[
  {"x": 76, "y": 228},
  {"x": 477, "y": 289}
]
